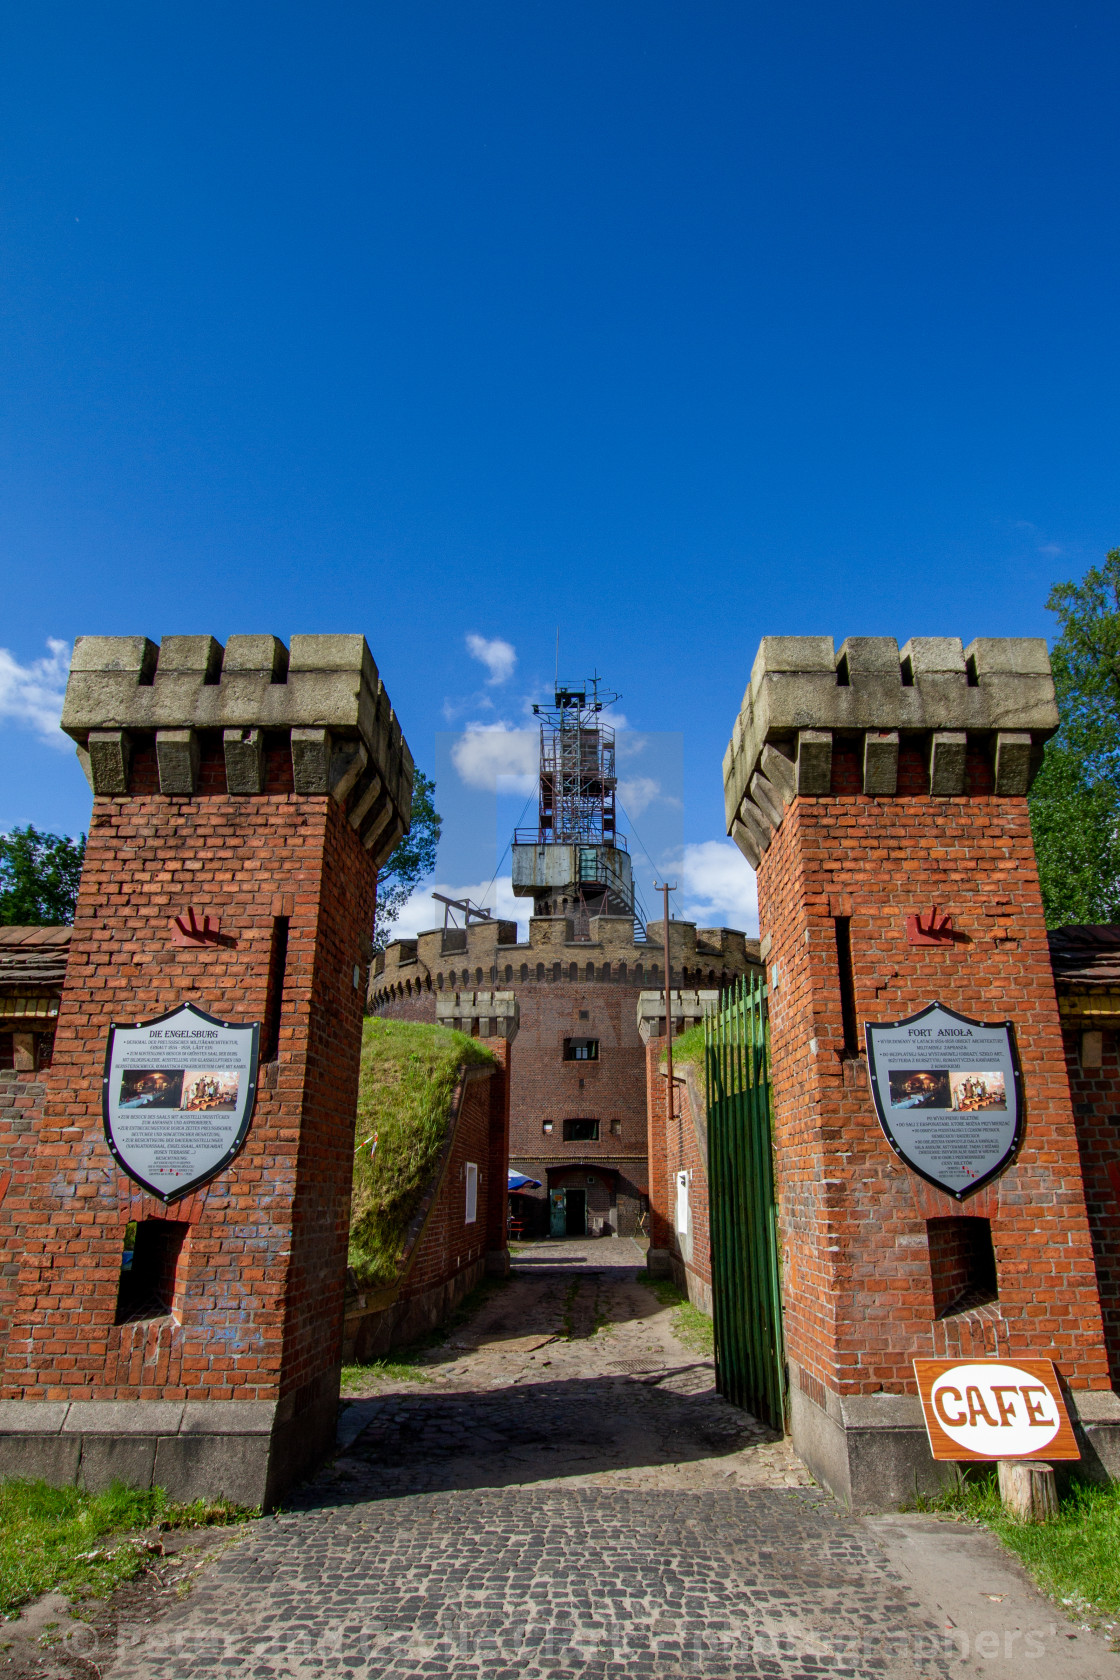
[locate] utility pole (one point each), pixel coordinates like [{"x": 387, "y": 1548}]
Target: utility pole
[{"x": 665, "y": 889}]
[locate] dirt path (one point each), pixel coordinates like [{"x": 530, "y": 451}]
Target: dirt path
[{"x": 570, "y": 1372}]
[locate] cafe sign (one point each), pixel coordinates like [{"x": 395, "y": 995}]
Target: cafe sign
[
  {"x": 990, "y": 1409},
  {"x": 177, "y": 1097},
  {"x": 948, "y": 1093}
]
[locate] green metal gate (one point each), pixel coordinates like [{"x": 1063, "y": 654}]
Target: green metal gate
[{"x": 746, "y": 1282}]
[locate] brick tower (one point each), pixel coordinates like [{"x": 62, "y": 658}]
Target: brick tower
[
  {"x": 867, "y": 787},
  {"x": 243, "y": 799}
]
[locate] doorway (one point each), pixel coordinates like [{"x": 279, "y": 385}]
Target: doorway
[{"x": 575, "y": 1213}]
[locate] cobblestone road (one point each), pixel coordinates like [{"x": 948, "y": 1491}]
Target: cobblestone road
[{"x": 562, "y": 1495}]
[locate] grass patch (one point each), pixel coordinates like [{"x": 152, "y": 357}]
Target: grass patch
[
  {"x": 688, "y": 1047},
  {"x": 396, "y": 1370},
  {"x": 409, "y": 1071},
  {"x": 1075, "y": 1557},
  {"x": 403, "y": 1365},
  {"x": 77, "y": 1542},
  {"x": 690, "y": 1326}
]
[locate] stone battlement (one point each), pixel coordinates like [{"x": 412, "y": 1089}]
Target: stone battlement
[
  {"x": 688, "y": 1010},
  {"x": 487, "y": 953},
  {"x": 189, "y": 694},
  {"x": 997, "y": 692},
  {"x": 480, "y": 1014}
]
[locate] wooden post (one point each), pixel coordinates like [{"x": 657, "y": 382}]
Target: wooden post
[{"x": 1027, "y": 1489}]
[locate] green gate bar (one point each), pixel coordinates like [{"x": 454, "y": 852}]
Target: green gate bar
[{"x": 746, "y": 1281}]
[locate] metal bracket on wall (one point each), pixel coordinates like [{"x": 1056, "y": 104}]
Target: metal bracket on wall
[{"x": 930, "y": 928}]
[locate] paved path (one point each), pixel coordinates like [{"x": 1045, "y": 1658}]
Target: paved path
[{"x": 564, "y": 1496}]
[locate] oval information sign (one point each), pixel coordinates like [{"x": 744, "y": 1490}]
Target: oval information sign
[{"x": 989, "y": 1409}]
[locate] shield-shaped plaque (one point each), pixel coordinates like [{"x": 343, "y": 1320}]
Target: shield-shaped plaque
[
  {"x": 949, "y": 1095},
  {"x": 178, "y": 1096}
]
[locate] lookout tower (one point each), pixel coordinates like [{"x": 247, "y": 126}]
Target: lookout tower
[
  {"x": 578, "y": 1120},
  {"x": 575, "y": 863}
]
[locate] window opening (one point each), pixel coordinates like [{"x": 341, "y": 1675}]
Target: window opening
[
  {"x": 847, "y": 986},
  {"x": 274, "y": 1000},
  {"x": 472, "y": 1192},
  {"x": 962, "y": 1264},
  {"x": 149, "y": 1269},
  {"x": 581, "y": 1131},
  {"x": 581, "y": 1049}
]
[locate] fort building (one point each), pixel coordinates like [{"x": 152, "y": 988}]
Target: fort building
[{"x": 578, "y": 1121}]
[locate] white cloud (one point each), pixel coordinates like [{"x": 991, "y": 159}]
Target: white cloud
[
  {"x": 498, "y": 657},
  {"x": 638, "y": 794},
  {"x": 494, "y": 756},
  {"x": 32, "y": 694},
  {"x": 629, "y": 743},
  {"x": 718, "y": 886},
  {"x": 421, "y": 911}
]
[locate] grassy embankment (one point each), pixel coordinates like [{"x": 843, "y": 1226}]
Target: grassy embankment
[
  {"x": 85, "y": 1544},
  {"x": 408, "y": 1076},
  {"x": 688, "y": 1049}
]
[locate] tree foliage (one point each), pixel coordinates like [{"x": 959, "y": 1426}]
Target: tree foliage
[
  {"x": 1075, "y": 800},
  {"x": 409, "y": 862},
  {"x": 39, "y": 875}
]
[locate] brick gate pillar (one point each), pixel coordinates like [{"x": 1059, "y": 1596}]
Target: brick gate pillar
[
  {"x": 260, "y": 787},
  {"x": 865, "y": 787}
]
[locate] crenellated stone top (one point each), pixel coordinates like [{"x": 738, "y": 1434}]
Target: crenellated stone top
[
  {"x": 480, "y": 1014},
  {"x": 802, "y": 693},
  {"x": 322, "y": 692}
]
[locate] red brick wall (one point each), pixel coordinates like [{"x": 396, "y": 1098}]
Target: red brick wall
[
  {"x": 546, "y": 1088},
  {"x": 21, "y": 1107},
  {"x": 449, "y": 1245},
  {"x": 1096, "y": 1109},
  {"x": 263, "y": 1268},
  {"x": 675, "y": 1147},
  {"x": 657, "y": 1144},
  {"x": 857, "y": 1286}
]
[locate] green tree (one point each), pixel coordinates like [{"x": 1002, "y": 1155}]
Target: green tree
[
  {"x": 1075, "y": 800},
  {"x": 409, "y": 862},
  {"x": 39, "y": 875}
]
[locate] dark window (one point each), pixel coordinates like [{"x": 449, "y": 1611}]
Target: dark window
[
  {"x": 581, "y": 1049},
  {"x": 962, "y": 1264},
  {"x": 149, "y": 1265},
  {"x": 585, "y": 1014},
  {"x": 7, "y": 1051},
  {"x": 274, "y": 1003},
  {"x": 847, "y": 986},
  {"x": 581, "y": 1131}
]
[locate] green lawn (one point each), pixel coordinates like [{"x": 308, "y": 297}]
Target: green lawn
[
  {"x": 1075, "y": 1557},
  {"x": 79, "y": 1542},
  {"x": 408, "y": 1075}
]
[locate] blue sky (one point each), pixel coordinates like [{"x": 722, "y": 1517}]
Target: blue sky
[{"x": 672, "y": 324}]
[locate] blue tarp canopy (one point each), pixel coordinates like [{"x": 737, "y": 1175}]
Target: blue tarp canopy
[{"x": 518, "y": 1181}]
